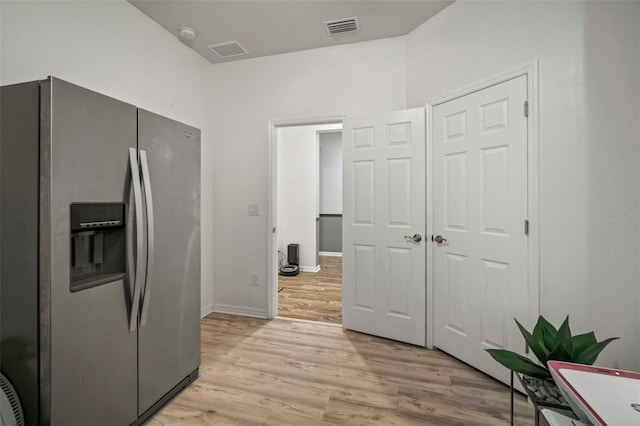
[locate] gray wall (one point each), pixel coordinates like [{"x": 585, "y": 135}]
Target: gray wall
[{"x": 331, "y": 233}]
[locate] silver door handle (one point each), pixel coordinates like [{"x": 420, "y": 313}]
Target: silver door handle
[
  {"x": 150, "y": 236},
  {"x": 438, "y": 239},
  {"x": 415, "y": 237},
  {"x": 139, "y": 273}
]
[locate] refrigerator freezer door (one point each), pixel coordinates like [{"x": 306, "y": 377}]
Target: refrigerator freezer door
[
  {"x": 91, "y": 353},
  {"x": 169, "y": 340}
]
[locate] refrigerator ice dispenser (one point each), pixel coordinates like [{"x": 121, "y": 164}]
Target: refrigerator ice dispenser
[{"x": 98, "y": 244}]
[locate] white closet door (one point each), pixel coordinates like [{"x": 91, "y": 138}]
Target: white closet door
[
  {"x": 480, "y": 208},
  {"x": 384, "y": 205}
]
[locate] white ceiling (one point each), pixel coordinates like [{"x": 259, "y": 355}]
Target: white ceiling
[{"x": 266, "y": 27}]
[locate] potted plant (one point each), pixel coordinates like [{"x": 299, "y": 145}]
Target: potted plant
[{"x": 548, "y": 343}]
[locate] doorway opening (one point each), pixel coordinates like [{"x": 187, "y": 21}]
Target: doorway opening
[{"x": 306, "y": 220}]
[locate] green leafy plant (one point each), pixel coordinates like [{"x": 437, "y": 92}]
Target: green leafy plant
[{"x": 548, "y": 343}]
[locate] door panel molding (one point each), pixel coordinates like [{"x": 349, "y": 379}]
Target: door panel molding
[{"x": 531, "y": 71}]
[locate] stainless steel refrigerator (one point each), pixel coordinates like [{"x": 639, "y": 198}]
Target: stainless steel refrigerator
[{"x": 100, "y": 255}]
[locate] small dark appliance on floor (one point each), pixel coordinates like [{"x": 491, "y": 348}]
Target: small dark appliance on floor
[{"x": 292, "y": 268}]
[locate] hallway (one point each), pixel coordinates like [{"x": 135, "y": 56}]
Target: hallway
[{"x": 313, "y": 296}]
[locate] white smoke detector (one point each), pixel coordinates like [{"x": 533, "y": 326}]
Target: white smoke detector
[{"x": 187, "y": 33}]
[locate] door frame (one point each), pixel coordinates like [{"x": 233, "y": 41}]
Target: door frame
[
  {"x": 319, "y": 133},
  {"x": 532, "y": 71},
  {"x": 272, "y": 198}
]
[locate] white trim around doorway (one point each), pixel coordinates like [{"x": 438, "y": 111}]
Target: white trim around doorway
[{"x": 272, "y": 266}]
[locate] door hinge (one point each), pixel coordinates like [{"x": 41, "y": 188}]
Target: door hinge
[
  {"x": 526, "y": 108},
  {"x": 274, "y": 230},
  {"x": 526, "y": 227}
]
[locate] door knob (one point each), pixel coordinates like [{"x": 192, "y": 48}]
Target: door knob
[
  {"x": 438, "y": 239},
  {"x": 416, "y": 237}
]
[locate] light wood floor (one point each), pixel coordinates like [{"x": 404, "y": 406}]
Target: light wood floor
[
  {"x": 287, "y": 372},
  {"x": 313, "y": 296}
]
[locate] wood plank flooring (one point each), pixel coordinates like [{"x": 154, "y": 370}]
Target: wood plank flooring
[
  {"x": 313, "y": 296},
  {"x": 286, "y": 372}
]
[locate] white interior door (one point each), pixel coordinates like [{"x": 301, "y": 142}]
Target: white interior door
[
  {"x": 384, "y": 205},
  {"x": 480, "y": 208}
]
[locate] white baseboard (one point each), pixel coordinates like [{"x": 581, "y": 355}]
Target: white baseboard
[
  {"x": 310, "y": 268},
  {"x": 239, "y": 310},
  {"x": 330, "y": 253},
  {"x": 206, "y": 310}
]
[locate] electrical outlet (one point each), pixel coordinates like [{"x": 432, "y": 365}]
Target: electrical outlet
[
  {"x": 254, "y": 210},
  {"x": 254, "y": 279}
]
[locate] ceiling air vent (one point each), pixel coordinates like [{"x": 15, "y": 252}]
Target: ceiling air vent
[
  {"x": 229, "y": 49},
  {"x": 340, "y": 26}
]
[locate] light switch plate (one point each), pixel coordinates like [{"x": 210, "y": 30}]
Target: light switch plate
[{"x": 254, "y": 210}]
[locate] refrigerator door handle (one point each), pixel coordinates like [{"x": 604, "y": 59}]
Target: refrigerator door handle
[
  {"x": 150, "y": 236},
  {"x": 139, "y": 273}
]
